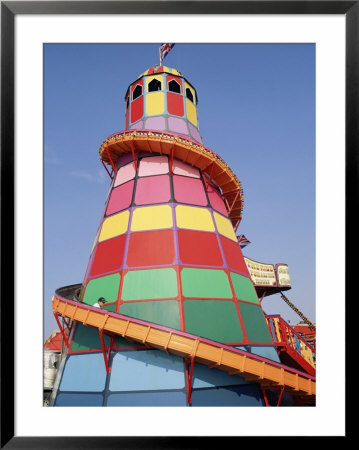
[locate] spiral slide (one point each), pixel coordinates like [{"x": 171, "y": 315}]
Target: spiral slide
[{"x": 195, "y": 349}]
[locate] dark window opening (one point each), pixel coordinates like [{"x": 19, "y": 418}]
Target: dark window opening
[
  {"x": 154, "y": 85},
  {"x": 173, "y": 86},
  {"x": 189, "y": 94},
  {"x": 137, "y": 92}
]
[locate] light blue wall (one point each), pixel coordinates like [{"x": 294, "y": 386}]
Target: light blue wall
[
  {"x": 85, "y": 372},
  {"x": 234, "y": 396},
  {"x": 150, "y": 378},
  {"x": 170, "y": 398},
  {"x": 146, "y": 370},
  {"x": 73, "y": 399}
]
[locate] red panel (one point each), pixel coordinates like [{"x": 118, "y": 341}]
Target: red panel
[
  {"x": 233, "y": 255},
  {"x": 140, "y": 82},
  {"x": 151, "y": 248},
  {"x": 108, "y": 255},
  {"x": 175, "y": 104},
  {"x": 121, "y": 198},
  {"x": 179, "y": 81},
  {"x": 197, "y": 247},
  {"x": 137, "y": 109},
  {"x": 127, "y": 118}
]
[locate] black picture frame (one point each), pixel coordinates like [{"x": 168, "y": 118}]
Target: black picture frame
[{"x": 9, "y": 9}]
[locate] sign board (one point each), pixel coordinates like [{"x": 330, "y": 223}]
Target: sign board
[
  {"x": 261, "y": 274},
  {"x": 283, "y": 275}
]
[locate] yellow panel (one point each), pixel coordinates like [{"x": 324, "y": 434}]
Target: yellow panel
[
  {"x": 224, "y": 226},
  {"x": 186, "y": 85},
  {"x": 158, "y": 77},
  {"x": 155, "y": 103},
  {"x": 191, "y": 112},
  {"x": 152, "y": 218},
  {"x": 194, "y": 218},
  {"x": 114, "y": 225}
]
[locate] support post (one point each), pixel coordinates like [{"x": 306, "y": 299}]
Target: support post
[
  {"x": 265, "y": 396},
  {"x": 234, "y": 201},
  {"x": 107, "y": 170},
  {"x": 62, "y": 331},
  {"x": 106, "y": 356},
  {"x": 110, "y": 159},
  {"x": 134, "y": 155},
  {"x": 280, "y": 396},
  {"x": 171, "y": 159},
  {"x": 208, "y": 180},
  {"x": 189, "y": 378},
  {"x": 262, "y": 297}
]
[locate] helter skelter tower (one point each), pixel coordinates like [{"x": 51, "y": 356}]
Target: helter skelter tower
[{"x": 167, "y": 260}]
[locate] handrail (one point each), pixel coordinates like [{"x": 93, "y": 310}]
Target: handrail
[
  {"x": 291, "y": 342},
  {"x": 293, "y": 331},
  {"x": 211, "y": 353}
]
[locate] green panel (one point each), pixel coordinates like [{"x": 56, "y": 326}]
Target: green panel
[
  {"x": 216, "y": 320},
  {"x": 147, "y": 284},
  {"x": 87, "y": 338},
  {"x": 106, "y": 287},
  {"x": 207, "y": 283},
  {"x": 244, "y": 289},
  {"x": 111, "y": 308},
  {"x": 254, "y": 323},
  {"x": 165, "y": 312},
  {"x": 121, "y": 342}
]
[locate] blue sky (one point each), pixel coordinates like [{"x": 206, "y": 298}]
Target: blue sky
[{"x": 256, "y": 110}]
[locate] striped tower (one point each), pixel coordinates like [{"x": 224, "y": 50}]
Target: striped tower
[{"x": 165, "y": 252}]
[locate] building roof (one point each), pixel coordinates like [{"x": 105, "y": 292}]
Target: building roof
[
  {"x": 53, "y": 342},
  {"x": 160, "y": 69}
]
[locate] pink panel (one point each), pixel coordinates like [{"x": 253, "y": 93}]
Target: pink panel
[
  {"x": 121, "y": 198},
  {"x": 155, "y": 165},
  {"x": 137, "y": 126},
  {"x": 153, "y": 190},
  {"x": 216, "y": 201},
  {"x": 124, "y": 159},
  {"x": 181, "y": 168},
  {"x": 125, "y": 173},
  {"x": 189, "y": 190}
]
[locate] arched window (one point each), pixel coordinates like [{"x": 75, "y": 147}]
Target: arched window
[
  {"x": 154, "y": 85},
  {"x": 137, "y": 92},
  {"x": 189, "y": 94},
  {"x": 173, "y": 86}
]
